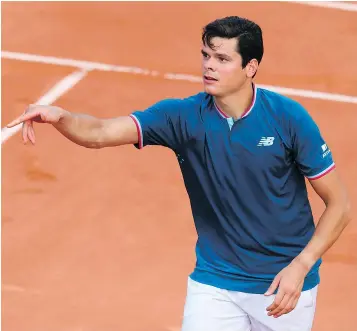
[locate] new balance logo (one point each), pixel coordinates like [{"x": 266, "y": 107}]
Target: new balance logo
[
  {"x": 266, "y": 141},
  {"x": 325, "y": 150}
]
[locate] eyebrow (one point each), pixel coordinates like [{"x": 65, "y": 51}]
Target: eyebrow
[
  {"x": 222, "y": 55},
  {"x": 217, "y": 54}
]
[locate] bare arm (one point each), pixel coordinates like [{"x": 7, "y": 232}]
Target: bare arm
[
  {"x": 82, "y": 129},
  {"x": 333, "y": 220},
  {"x": 330, "y": 226},
  {"x": 92, "y": 132}
]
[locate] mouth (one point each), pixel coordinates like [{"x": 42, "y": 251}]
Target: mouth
[{"x": 209, "y": 79}]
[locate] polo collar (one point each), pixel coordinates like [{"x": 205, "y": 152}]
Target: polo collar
[{"x": 246, "y": 112}]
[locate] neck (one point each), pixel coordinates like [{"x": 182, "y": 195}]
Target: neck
[{"x": 236, "y": 104}]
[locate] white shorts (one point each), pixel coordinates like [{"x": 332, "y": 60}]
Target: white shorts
[{"x": 208, "y": 308}]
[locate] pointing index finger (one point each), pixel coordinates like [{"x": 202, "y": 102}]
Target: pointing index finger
[{"x": 23, "y": 118}]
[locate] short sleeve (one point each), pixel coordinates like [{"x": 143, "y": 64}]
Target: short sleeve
[
  {"x": 161, "y": 124},
  {"x": 312, "y": 154}
]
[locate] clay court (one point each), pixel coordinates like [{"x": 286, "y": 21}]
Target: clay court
[{"x": 103, "y": 240}]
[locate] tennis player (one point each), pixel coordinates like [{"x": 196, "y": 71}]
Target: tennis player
[{"x": 244, "y": 153}]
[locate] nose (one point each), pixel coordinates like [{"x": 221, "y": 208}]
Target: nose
[{"x": 208, "y": 64}]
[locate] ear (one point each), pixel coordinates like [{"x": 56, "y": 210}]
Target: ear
[{"x": 251, "y": 68}]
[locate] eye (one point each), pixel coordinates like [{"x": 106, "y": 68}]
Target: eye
[
  {"x": 222, "y": 59},
  {"x": 204, "y": 54}
]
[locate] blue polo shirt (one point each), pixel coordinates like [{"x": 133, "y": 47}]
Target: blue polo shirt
[{"x": 246, "y": 183}]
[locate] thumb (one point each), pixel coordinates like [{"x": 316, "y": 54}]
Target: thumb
[{"x": 273, "y": 286}]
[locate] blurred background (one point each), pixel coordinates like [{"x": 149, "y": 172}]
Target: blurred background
[{"x": 104, "y": 239}]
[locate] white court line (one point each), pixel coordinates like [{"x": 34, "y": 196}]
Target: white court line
[
  {"x": 332, "y": 5},
  {"x": 86, "y": 65},
  {"x": 51, "y": 96},
  {"x": 311, "y": 94}
]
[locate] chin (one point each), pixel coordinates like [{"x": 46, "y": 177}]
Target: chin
[{"x": 212, "y": 90}]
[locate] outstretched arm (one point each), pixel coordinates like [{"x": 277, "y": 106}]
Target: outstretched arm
[{"x": 82, "y": 129}]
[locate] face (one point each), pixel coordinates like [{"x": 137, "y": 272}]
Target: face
[{"x": 222, "y": 67}]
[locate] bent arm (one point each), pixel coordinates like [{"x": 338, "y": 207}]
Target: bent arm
[
  {"x": 333, "y": 220},
  {"x": 92, "y": 132}
]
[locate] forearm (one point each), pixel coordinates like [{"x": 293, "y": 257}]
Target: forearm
[
  {"x": 329, "y": 228},
  {"x": 84, "y": 130}
]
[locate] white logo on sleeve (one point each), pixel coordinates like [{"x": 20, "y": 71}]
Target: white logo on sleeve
[
  {"x": 325, "y": 150},
  {"x": 266, "y": 141}
]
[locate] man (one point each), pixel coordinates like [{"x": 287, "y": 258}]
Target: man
[{"x": 244, "y": 153}]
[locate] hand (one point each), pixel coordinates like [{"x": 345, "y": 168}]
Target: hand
[
  {"x": 290, "y": 281},
  {"x": 36, "y": 113}
]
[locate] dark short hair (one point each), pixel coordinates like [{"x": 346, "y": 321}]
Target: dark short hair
[{"x": 248, "y": 34}]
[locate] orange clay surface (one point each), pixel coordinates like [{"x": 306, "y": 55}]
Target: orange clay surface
[{"x": 103, "y": 240}]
